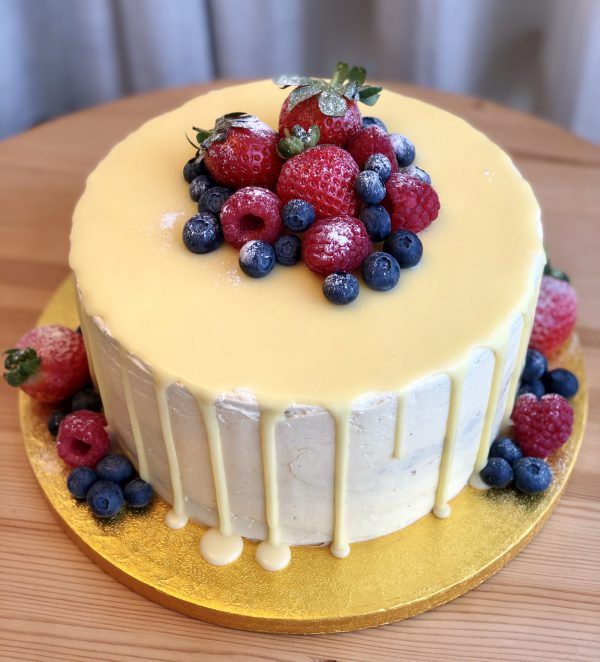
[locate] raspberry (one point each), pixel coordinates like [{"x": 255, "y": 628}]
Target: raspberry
[
  {"x": 412, "y": 203},
  {"x": 82, "y": 439},
  {"x": 542, "y": 426},
  {"x": 555, "y": 315},
  {"x": 322, "y": 176},
  {"x": 251, "y": 213},
  {"x": 372, "y": 140},
  {"x": 335, "y": 244}
]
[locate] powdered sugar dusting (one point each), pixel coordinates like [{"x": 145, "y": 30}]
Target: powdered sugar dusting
[{"x": 168, "y": 219}]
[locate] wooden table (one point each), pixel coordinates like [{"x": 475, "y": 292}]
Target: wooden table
[{"x": 55, "y": 604}]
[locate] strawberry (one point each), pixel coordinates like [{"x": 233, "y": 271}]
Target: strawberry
[
  {"x": 332, "y": 106},
  {"x": 555, "y": 315},
  {"x": 372, "y": 140},
  {"x": 49, "y": 363},
  {"x": 240, "y": 150},
  {"x": 322, "y": 176}
]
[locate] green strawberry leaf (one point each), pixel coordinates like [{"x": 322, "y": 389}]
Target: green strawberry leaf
[
  {"x": 332, "y": 104},
  {"x": 351, "y": 90},
  {"x": 20, "y": 364},
  {"x": 301, "y": 94},
  {"x": 369, "y": 94},
  {"x": 357, "y": 75},
  {"x": 289, "y": 79},
  {"x": 340, "y": 74},
  {"x": 202, "y": 135}
]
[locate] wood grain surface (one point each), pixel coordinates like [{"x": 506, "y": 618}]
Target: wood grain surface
[{"x": 55, "y": 604}]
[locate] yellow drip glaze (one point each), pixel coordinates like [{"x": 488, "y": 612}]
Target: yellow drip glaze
[
  {"x": 340, "y": 547},
  {"x": 218, "y": 549},
  {"x": 399, "y": 435}
]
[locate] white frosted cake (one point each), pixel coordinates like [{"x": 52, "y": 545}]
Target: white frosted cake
[{"x": 260, "y": 410}]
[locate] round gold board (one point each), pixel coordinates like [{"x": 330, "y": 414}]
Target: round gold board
[{"x": 383, "y": 580}]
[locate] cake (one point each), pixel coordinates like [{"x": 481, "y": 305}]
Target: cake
[{"x": 261, "y": 411}]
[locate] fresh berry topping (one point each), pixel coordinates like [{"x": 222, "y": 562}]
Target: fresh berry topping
[
  {"x": 369, "y": 141},
  {"x": 105, "y": 498},
  {"x": 202, "y": 233},
  {"x": 405, "y": 246},
  {"x": 257, "y": 258},
  {"x": 403, "y": 149},
  {"x": 88, "y": 399},
  {"x": 194, "y": 168},
  {"x": 49, "y": 363},
  {"x": 549, "y": 270},
  {"x": 80, "y": 480},
  {"x": 335, "y": 244},
  {"x": 369, "y": 187},
  {"x": 200, "y": 185},
  {"x": 117, "y": 468},
  {"x": 298, "y": 215},
  {"x": 54, "y": 421},
  {"x": 213, "y": 199},
  {"x": 412, "y": 204},
  {"x": 542, "y": 426},
  {"x": 417, "y": 173},
  {"x": 370, "y": 121},
  {"x": 497, "y": 472},
  {"x": 239, "y": 151},
  {"x": 532, "y": 475},
  {"x": 535, "y": 366},
  {"x": 555, "y": 315},
  {"x": 340, "y": 288},
  {"x": 82, "y": 439},
  {"x": 562, "y": 382},
  {"x": 251, "y": 213},
  {"x": 297, "y": 141},
  {"x": 138, "y": 493},
  {"x": 506, "y": 449},
  {"x": 322, "y": 176},
  {"x": 381, "y": 271},
  {"x": 535, "y": 386},
  {"x": 380, "y": 164},
  {"x": 377, "y": 221},
  {"x": 288, "y": 250}
]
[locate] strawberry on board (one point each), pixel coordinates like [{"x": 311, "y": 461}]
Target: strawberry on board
[{"x": 330, "y": 105}]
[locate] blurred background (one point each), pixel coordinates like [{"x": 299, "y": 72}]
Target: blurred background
[{"x": 542, "y": 56}]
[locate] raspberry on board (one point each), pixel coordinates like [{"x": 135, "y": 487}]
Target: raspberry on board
[
  {"x": 555, "y": 315},
  {"x": 82, "y": 439}
]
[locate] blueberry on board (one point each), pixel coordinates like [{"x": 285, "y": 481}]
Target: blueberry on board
[
  {"x": 298, "y": 215},
  {"x": 536, "y": 386},
  {"x": 340, "y": 288},
  {"x": 138, "y": 493},
  {"x": 105, "y": 498},
  {"x": 380, "y": 164},
  {"x": 561, "y": 381},
  {"x": 405, "y": 246},
  {"x": 532, "y": 475},
  {"x": 88, "y": 399},
  {"x": 200, "y": 185},
  {"x": 377, "y": 221},
  {"x": 535, "y": 366},
  {"x": 193, "y": 168},
  {"x": 202, "y": 233},
  {"x": 116, "y": 468},
  {"x": 213, "y": 199},
  {"x": 403, "y": 148},
  {"x": 80, "y": 480},
  {"x": 257, "y": 258},
  {"x": 497, "y": 472},
  {"x": 370, "y": 121},
  {"x": 417, "y": 173},
  {"x": 288, "y": 250},
  {"x": 507, "y": 449},
  {"x": 369, "y": 187},
  {"x": 54, "y": 422},
  {"x": 381, "y": 271}
]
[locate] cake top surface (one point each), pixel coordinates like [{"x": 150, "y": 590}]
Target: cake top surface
[{"x": 198, "y": 320}]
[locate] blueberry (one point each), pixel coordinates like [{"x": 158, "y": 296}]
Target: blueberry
[
  {"x": 116, "y": 468},
  {"x": 370, "y": 121},
  {"x": 213, "y": 199},
  {"x": 381, "y": 271},
  {"x": 369, "y": 187},
  {"x": 417, "y": 173},
  {"x": 535, "y": 386},
  {"x": 194, "y": 168},
  {"x": 257, "y": 258},
  {"x": 561, "y": 381},
  {"x": 54, "y": 421},
  {"x": 532, "y": 475},
  {"x": 405, "y": 246},
  {"x": 377, "y": 221},
  {"x": 202, "y": 233},
  {"x": 298, "y": 215},
  {"x": 138, "y": 493},
  {"x": 380, "y": 164},
  {"x": 200, "y": 185},
  {"x": 288, "y": 250},
  {"x": 80, "y": 480},
  {"x": 497, "y": 472},
  {"x": 535, "y": 366},
  {"x": 105, "y": 498},
  {"x": 88, "y": 399},
  {"x": 404, "y": 149},
  {"x": 507, "y": 449},
  {"x": 340, "y": 288}
]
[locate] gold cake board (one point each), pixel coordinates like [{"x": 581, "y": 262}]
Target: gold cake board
[{"x": 383, "y": 580}]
